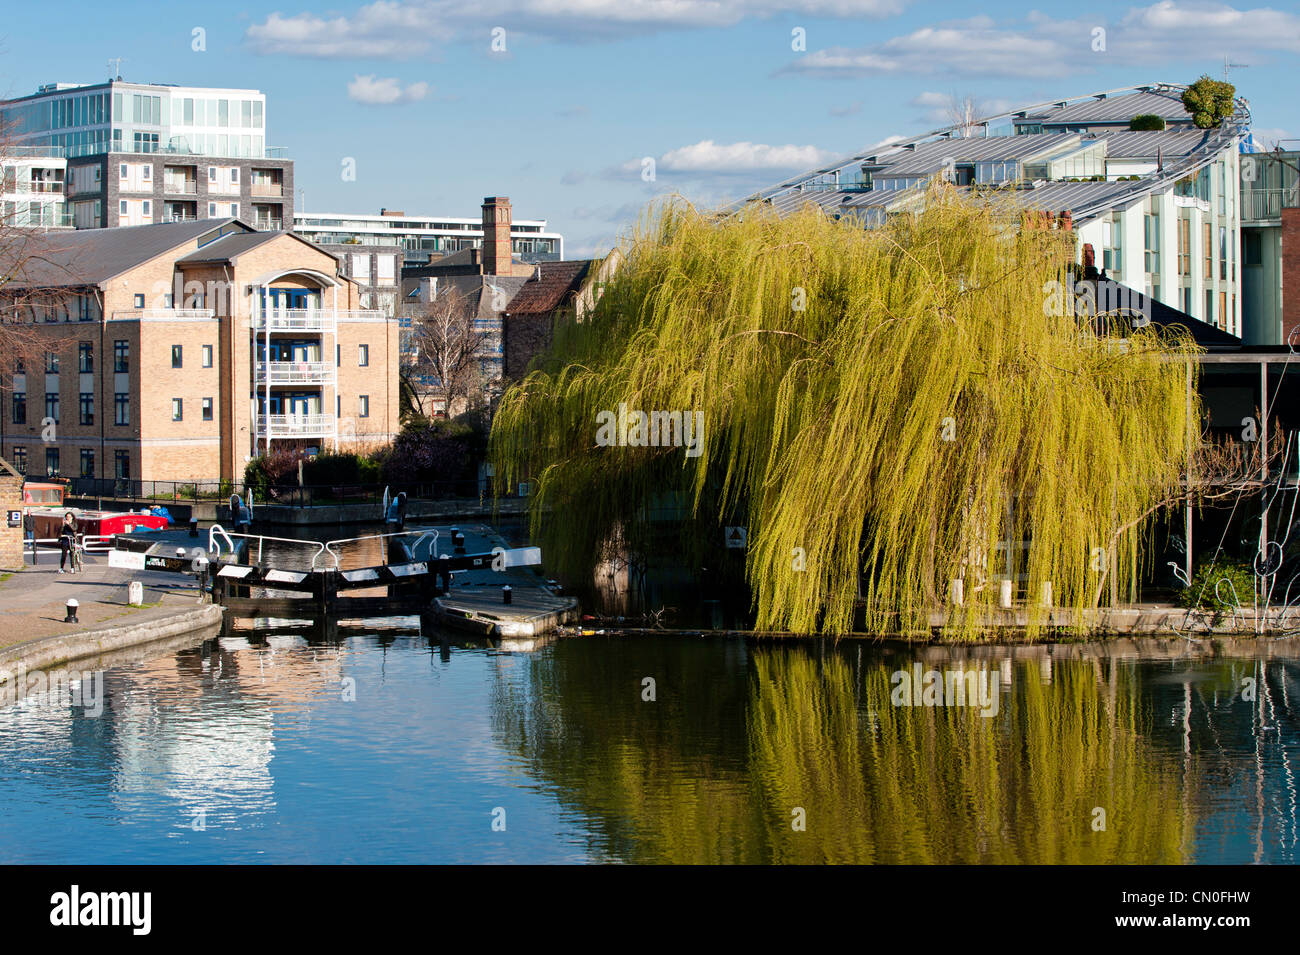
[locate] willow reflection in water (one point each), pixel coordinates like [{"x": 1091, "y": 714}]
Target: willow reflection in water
[{"x": 714, "y": 769}]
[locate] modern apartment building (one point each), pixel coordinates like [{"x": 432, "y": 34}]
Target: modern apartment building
[
  {"x": 140, "y": 154},
  {"x": 1270, "y": 248},
  {"x": 422, "y": 240},
  {"x": 1158, "y": 210},
  {"x": 178, "y": 351},
  {"x": 33, "y": 188}
]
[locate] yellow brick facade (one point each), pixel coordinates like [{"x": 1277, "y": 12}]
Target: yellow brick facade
[{"x": 162, "y": 304}]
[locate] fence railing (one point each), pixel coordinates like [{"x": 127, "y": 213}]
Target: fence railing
[{"x": 311, "y": 495}]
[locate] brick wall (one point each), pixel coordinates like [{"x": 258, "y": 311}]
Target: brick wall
[
  {"x": 524, "y": 337},
  {"x": 11, "y": 538},
  {"x": 1290, "y": 275}
]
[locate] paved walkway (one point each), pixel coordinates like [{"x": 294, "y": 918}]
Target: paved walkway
[{"x": 33, "y": 602}]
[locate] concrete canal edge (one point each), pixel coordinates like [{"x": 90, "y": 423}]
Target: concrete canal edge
[{"x": 44, "y": 653}]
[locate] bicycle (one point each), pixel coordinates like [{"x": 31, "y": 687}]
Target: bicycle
[{"x": 77, "y": 549}]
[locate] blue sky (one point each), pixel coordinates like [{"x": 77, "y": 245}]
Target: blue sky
[{"x": 713, "y": 90}]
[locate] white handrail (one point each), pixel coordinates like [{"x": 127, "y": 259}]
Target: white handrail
[
  {"x": 329, "y": 545},
  {"x": 260, "y": 538},
  {"x": 218, "y": 529}
]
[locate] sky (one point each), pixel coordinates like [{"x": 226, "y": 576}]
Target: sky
[{"x": 559, "y": 104}]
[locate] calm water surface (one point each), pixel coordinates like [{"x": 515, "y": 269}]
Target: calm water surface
[{"x": 398, "y": 748}]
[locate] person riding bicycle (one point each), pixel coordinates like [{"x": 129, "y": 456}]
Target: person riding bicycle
[{"x": 68, "y": 542}]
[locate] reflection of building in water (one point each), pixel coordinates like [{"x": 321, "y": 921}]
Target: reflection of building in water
[{"x": 201, "y": 728}]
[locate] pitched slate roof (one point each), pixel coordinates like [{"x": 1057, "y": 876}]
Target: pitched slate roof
[
  {"x": 229, "y": 247},
  {"x": 61, "y": 259},
  {"x": 549, "y": 287}
]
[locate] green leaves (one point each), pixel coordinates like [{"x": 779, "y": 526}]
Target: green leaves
[{"x": 922, "y": 415}]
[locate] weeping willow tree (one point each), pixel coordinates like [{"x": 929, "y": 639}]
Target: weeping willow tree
[{"x": 887, "y": 410}]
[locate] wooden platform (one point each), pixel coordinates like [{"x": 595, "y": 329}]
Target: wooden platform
[{"x": 533, "y": 610}]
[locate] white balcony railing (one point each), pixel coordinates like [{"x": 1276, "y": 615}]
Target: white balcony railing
[
  {"x": 163, "y": 313},
  {"x": 296, "y": 425},
  {"x": 1267, "y": 203},
  {"x": 175, "y": 187},
  {"x": 312, "y": 319},
  {"x": 270, "y": 189},
  {"x": 296, "y": 372}
]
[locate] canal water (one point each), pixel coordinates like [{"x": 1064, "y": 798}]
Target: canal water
[{"x": 389, "y": 746}]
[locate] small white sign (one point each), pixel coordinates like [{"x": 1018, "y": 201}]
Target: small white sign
[
  {"x": 737, "y": 537},
  {"x": 125, "y": 559}
]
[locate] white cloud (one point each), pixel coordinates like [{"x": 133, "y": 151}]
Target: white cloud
[
  {"x": 708, "y": 156},
  {"x": 409, "y": 28},
  {"x": 382, "y": 30},
  {"x": 1048, "y": 47},
  {"x": 385, "y": 91}
]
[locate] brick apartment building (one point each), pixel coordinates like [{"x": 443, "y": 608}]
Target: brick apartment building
[{"x": 179, "y": 351}]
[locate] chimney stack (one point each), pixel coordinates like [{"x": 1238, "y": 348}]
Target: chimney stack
[{"x": 496, "y": 236}]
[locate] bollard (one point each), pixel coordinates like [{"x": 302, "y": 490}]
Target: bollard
[
  {"x": 71, "y": 616},
  {"x": 506, "y": 594},
  {"x": 135, "y": 593},
  {"x": 458, "y": 539},
  {"x": 194, "y": 527},
  {"x": 955, "y": 590},
  {"x": 1047, "y": 594},
  {"x": 1004, "y": 594}
]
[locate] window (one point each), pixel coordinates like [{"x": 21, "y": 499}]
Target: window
[
  {"x": 207, "y": 409},
  {"x": 146, "y": 207},
  {"x": 19, "y": 459},
  {"x": 1151, "y": 234},
  {"x": 363, "y": 355},
  {"x": 52, "y": 462},
  {"x": 139, "y": 300},
  {"x": 51, "y": 363},
  {"x": 1254, "y": 250},
  {"x": 122, "y": 171},
  {"x": 212, "y": 210},
  {"x": 363, "y": 406},
  {"x": 20, "y": 407},
  {"x": 1223, "y": 310},
  {"x": 1223, "y": 252},
  {"x": 88, "y": 462},
  {"x": 1207, "y": 250},
  {"x": 176, "y": 409},
  {"x": 338, "y": 355},
  {"x": 52, "y": 406},
  {"x": 122, "y": 207},
  {"x": 86, "y": 408},
  {"x": 176, "y": 356},
  {"x": 121, "y": 355},
  {"x": 212, "y": 174},
  {"x": 121, "y": 408},
  {"x": 338, "y": 406},
  {"x": 207, "y": 356},
  {"x": 234, "y": 175},
  {"x": 122, "y": 464},
  {"x": 85, "y": 357},
  {"x": 1209, "y": 307},
  {"x": 146, "y": 173}
]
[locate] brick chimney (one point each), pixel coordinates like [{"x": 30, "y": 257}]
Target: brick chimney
[{"x": 496, "y": 236}]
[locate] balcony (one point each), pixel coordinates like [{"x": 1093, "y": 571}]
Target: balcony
[
  {"x": 1265, "y": 204},
  {"x": 269, "y": 189},
  {"x": 296, "y": 372},
  {"x": 268, "y": 225},
  {"x": 312, "y": 320},
  {"x": 295, "y": 426},
  {"x": 180, "y": 187},
  {"x": 162, "y": 314}
]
